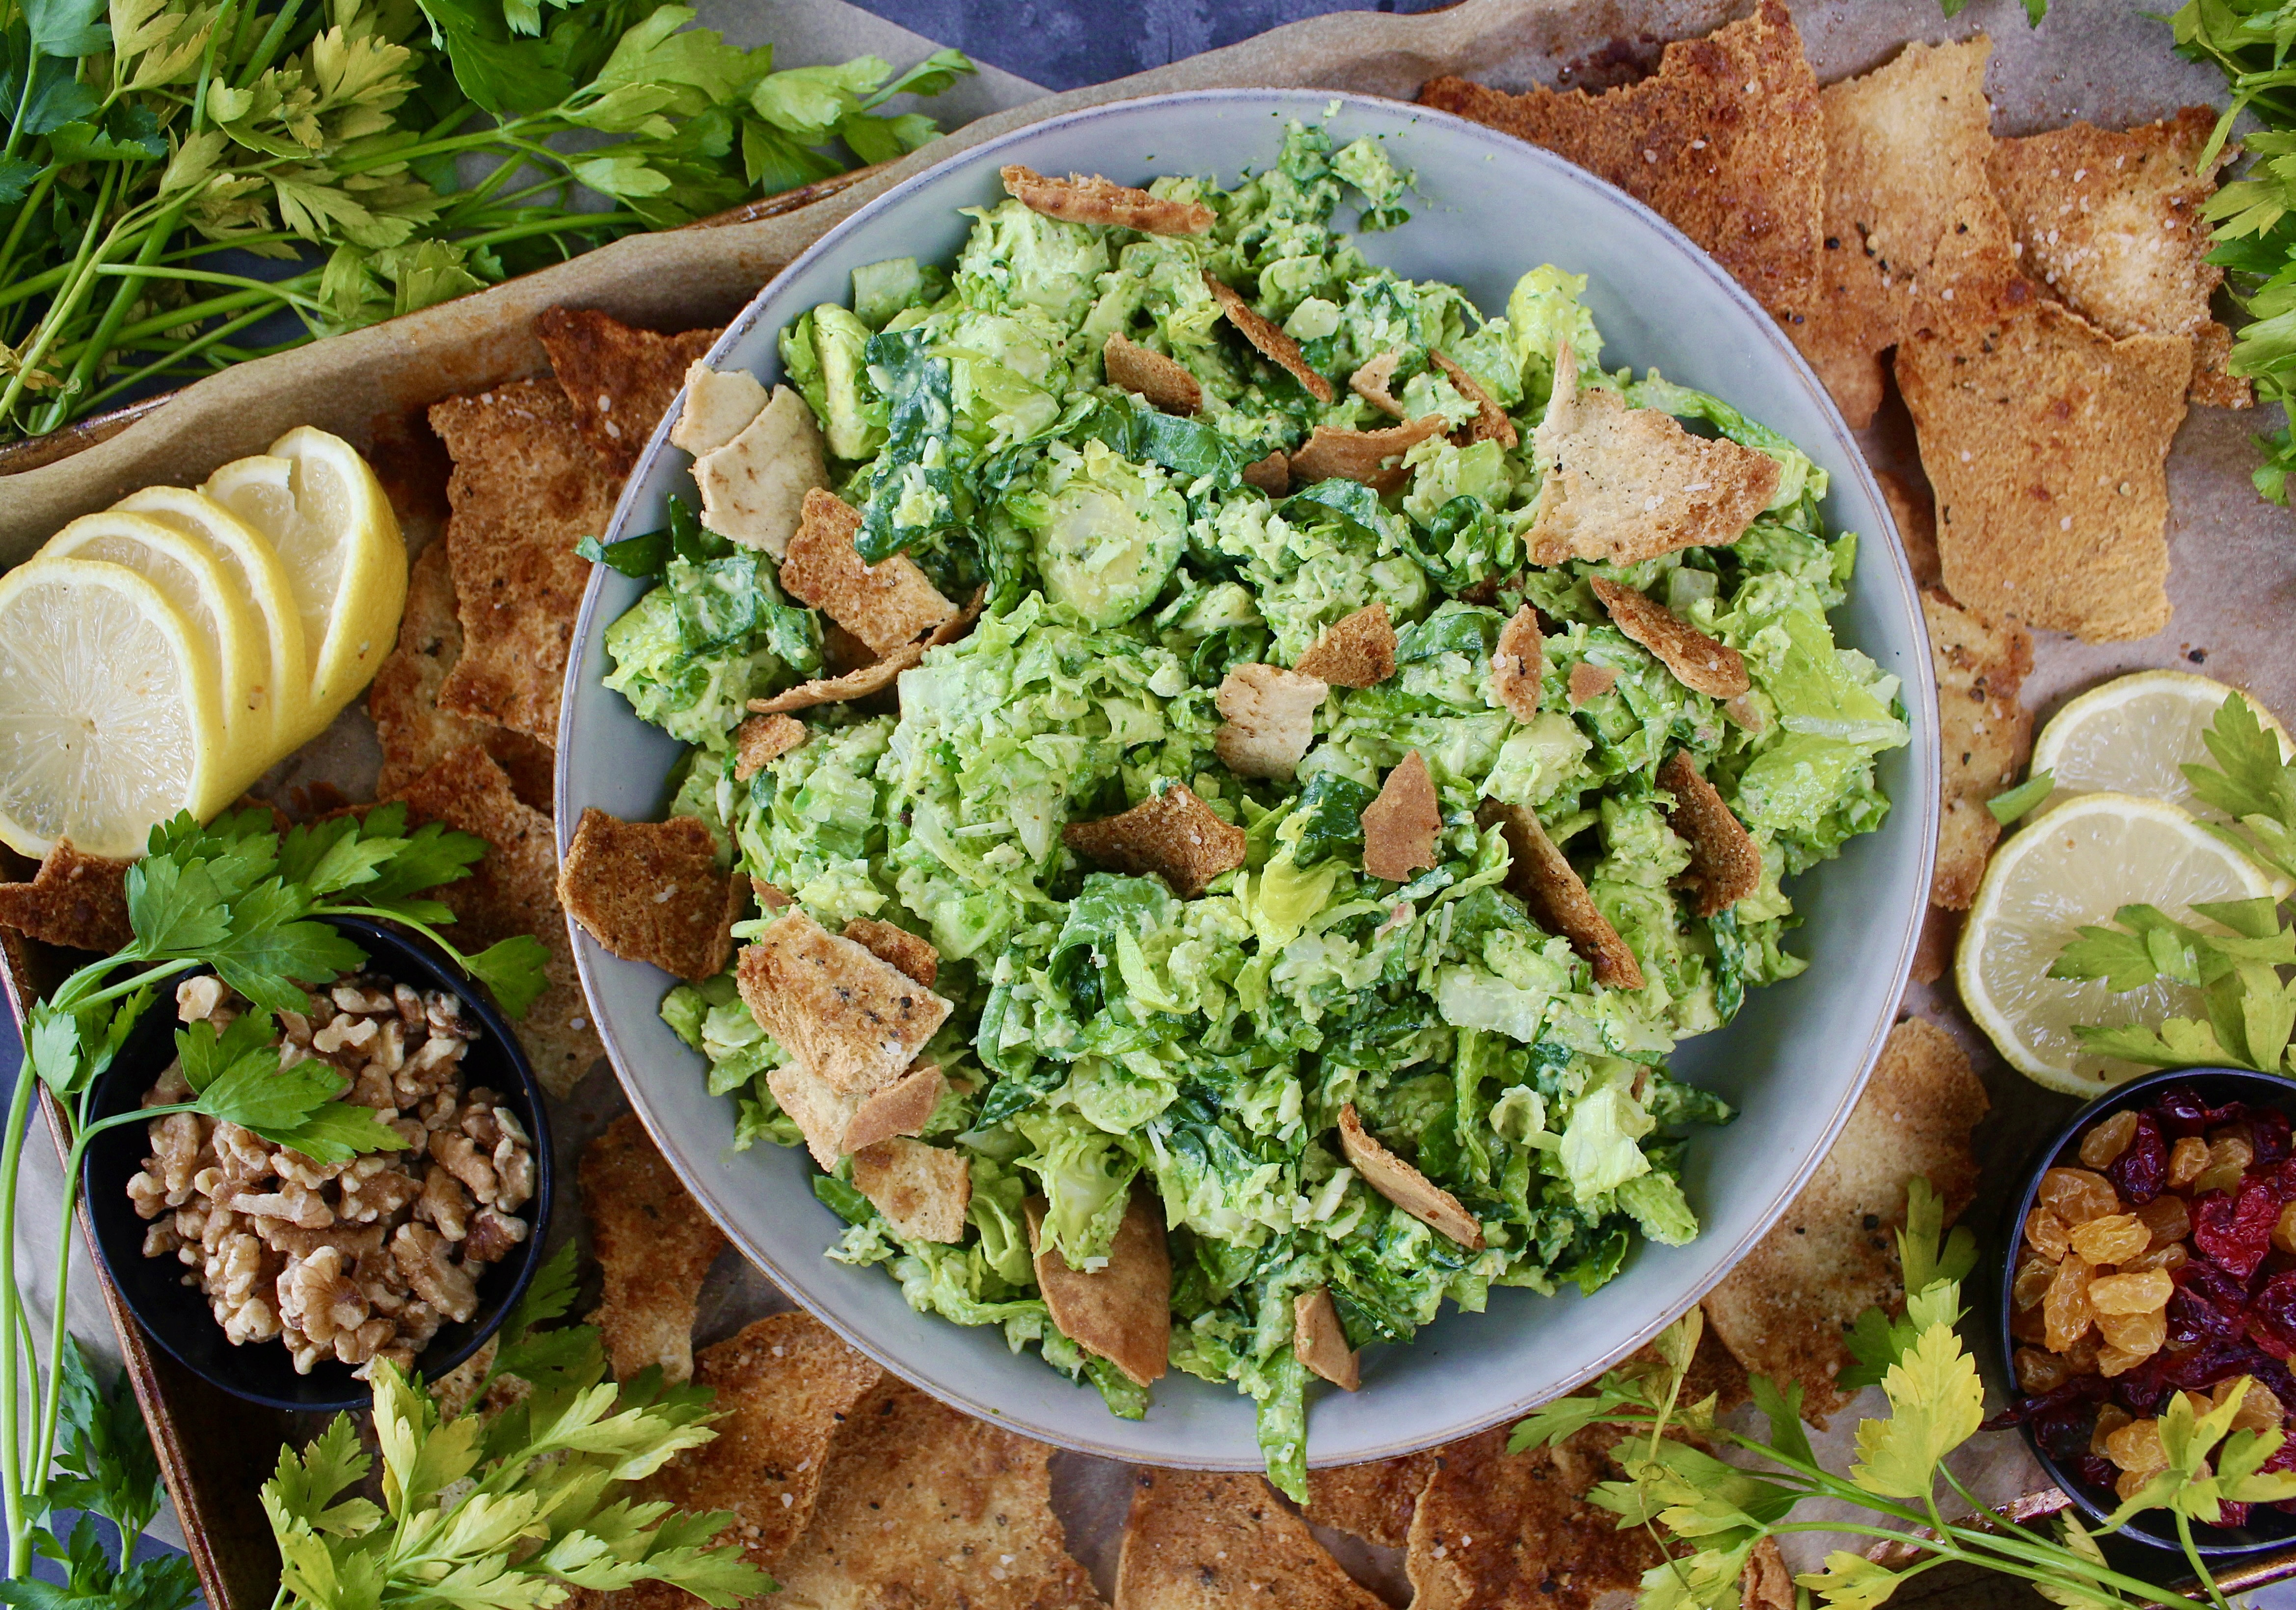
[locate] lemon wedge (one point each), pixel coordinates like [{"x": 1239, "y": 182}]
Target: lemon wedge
[
  {"x": 2075, "y": 866},
  {"x": 107, "y": 710},
  {"x": 2132, "y": 736},
  {"x": 254, "y": 569}
]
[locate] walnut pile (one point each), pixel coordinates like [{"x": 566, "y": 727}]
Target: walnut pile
[{"x": 355, "y": 1261}]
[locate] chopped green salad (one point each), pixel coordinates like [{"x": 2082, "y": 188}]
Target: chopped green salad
[{"x": 1109, "y": 1035}]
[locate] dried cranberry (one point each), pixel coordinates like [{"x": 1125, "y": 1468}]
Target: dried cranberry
[
  {"x": 2064, "y": 1434},
  {"x": 2269, "y": 1127},
  {"x": 2274, "y": 1310},
  {"x": 2142, "y": 1168},
  {"x": 2097, "y": 1470},
  {"x": 2189, "y": 1313},
  {"x": 2235, "y": 1231},
  {"x": 2213, "y": 1286},
  {"x": 2230, "y": 1514},
  {"x": 2181, "y": 1112}
]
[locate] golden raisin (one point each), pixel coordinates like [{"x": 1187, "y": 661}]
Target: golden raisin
[
  {"x": 2171, "y": 1258},
  {"x": 2167, "y": 1218},
  {"x": 2107, "y": 1140},
  {"x": 2076, "y": 1196},
  {"x": 2143, "y": 1292},
  {"x": 2135, "y": 1447},
  {"x": 2187, "y": 1158},
  {"x": 2109, "y": 1418},
  {"x": 2039, "y": 1372},
  {"x": 2033, "y": 1277},
  {"x": 2259, "y": 1409},
  {"x": 2065, "y": 1308},
  {"x": 2112, "y": 1360},
  {"x": 2081, "y": 1358},
  {"x": 2114, "y": 1238},
  {"x": 2025, "y": 1325},
  {"x": 2128, "y": 1483},
  {"x": 2227, "y": 1164},
  {"x": 2284, "y": 1233},
  {"x": 2045, "y": 1233},
  {"x": 2138, "y": 1335}
]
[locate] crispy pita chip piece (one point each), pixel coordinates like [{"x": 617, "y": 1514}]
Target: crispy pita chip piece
[
  {"x": 1697, "y": 661},
  {"x": 1543, "y": 879},
  {"x": 923, "y": 1505},
  {"x": 1725, "y": 865},
  {"x": 1401, "y": 827},
  {"x": 2046, "y": 442},
  {"x": 1079, "y": 199},
  {"x": 515, "y": 890},
  {"x": 1371, "y": 1502},
  {"x": 1355, "y": 651},
  {"x": 1624, "y": 485},
  {"x": 786, "y": 1388},
  {"x": 1121, "y": 1311},
  {"x": 78, "y": 901},
  {"x": 1495, "y": 1531},
  {"x": 901, "y": 1108},
  {"x": 1197, "y": 1540},
  {"x": 654, "y": 1247},
  {"x": 719, "y": 404},
  {"x": 1166, "y": 384},
  {"x": 1405, "y": 1186},
  {"x": 1373, "y": 380},
  {"x": 1321, "y": 1341},
  {"x": 1783, "y": 1311},
  {"x": 912, "y": 954},
  {"x": 2111, "y": 221},
  {"x": 1268, "y": 719},
  {"x": 1519, "y": 664},
  {"x": 619, "y": 380},
  {"x": 1272, "y": 474},
  {"x": 923, "y": 1191},
  {"x": 1490, "y": 423},
  {"x": 1984, "y": 736},
  {"x": 1361, "y": 455},
  {"x": 1173, "y": 835},
  {"x": 886, "y": 606},
  {"x": 652, "y": 891},
  {"x": 846, "y": 1016},
  {"x": 1589, "y": 681},
  {"x": 869, "y": 679},
  {"x": 1915, "y": 517},
  {"x": 403, "y": 700},
  {"x": 1270, "y": 342},
  {"x": 1934, "y": 946},
  {"x": 1724, "y": 141},
  {"x": 1766, "y": 1583},
  {"x": 761, "y": 740},
  {"x": 526, "y": 489},
  {"x": 836, "y": 1123},
  {"x": 754, "y": 488}
]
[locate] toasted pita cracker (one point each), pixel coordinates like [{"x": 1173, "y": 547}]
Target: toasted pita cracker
[
  {"x": 923, "y": 1191},
  {"x": 1166, "y": 384},
  {"x": 1724, "y": 141},
  {"x": 1373, "y": 457},
  {"x": 1121, "y": 1311},
  {"x": 1500, "y": 1530},
  {"x": 416, "y": 735},
  {"x": 1373, "y": 1501},
  {"x": 1172, "y": 835},
  {"x": 1270, "y": 342},
  {"x": 754, "y": 488},
  {"x": 1079, "y": 199},
  {"x": 1196, "y": 1539},
  {"x": 1543, "y": 878},
  {"x": 923, "y": 1505},
  {"x": 1984, "y": 736},
  {"x": 1355, "y": 651},
  {"x": 1697, "y": 661},
  {"x": 1405, "y": 1186},
  {"x": 2111, "y": 222},
  {"x": 785, "y": 1387},
  {"x": 912, "y": 954},
  {"x": 844, "y": 1015},
  {"x": 1519, "y": 664},
  {"x": 1624, "y": 484},
  {"x": 1320, "y": 1341},
  {"x": 837, "y": 1123},
  {"x": 1916, "y": 518},
  {"x": 1766, "y": 1583},
  {"x": 1783, "y": 1311},
  {"x": 515, "y": 890},
  {"x": 526, "y": 489},
  {"x": 1725, "y": 865},
  {"x": 1589, "y": 681},
  {"x": 1491, "y": 423},
  {"x": 901, "y": 1108},
  {"x": 1934, "y": 946},
  {"x": 961, "y": 623},
  {"x": 885, "y": 605},
  {"x": 1272, "y": 474},
  {"x": 869, "y": 679},
  {"x": 2046, "y": 442},
  {"x": 1371, "y": 381},
  {"x": 1268, "y": 719},
  {"x": 654, "y": 1246},
  {"x": 761, "y": 740},
  {"x": 1401, "y": 826},
  {"x": 619, "y": 380},
  {"x": 653, "y": 891},
  {"x": 78, "y": 901},
  {"x": 719, "y": 404}
]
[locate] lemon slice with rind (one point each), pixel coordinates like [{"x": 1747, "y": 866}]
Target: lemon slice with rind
[
  {"x": 2134, "y": 734},
  {"x": 106, "y": 702},
  {"x": 2073, "y": 867},
  {"x": 254, "y": 569}
]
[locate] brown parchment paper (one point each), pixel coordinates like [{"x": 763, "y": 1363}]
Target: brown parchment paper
[{"x": 2233, "y": 583}]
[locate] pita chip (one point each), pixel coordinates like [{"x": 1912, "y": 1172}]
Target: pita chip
[
  {"x": 1984, "y": 736},
  {"x": 1519, "y": 664},
  {"x": 1916, "y": 518},
  {"x": 1355, "y": 651},
  {"x": 1490, "y": 423},
  {"x": 1373, "y": 1501},
  {"x": 859, "y": 683},
  {"x": 761, "y": 740},
  {"x": 845, "y": 1016},
  {"x": 1373, "y": 457},
  {"x": 1783, "y": 1311},
  {"x": 837, "y": 1123},
  {"x": 1166, "y": 384},
  {"x": 1268, "y": 719},
  {"x": 1697, "y": 661},
  {"x": 754, "y": 488},
  {"x": 1373, "y": 381},
  {"x": 1405, "y": 1186},
  {"x": 1495, "y": 1531},
  {"x": 1121, "y": 1311},
  {"x": 1623, "y": 484},
  {"x": 1173, "y": 835},
  {"x": 618, "y": 381},
  {"x": 1401, "y": 826},
  {"x": 654, "y": 1247},
  {"x": 1725, "y": 865},
  {"x": 1199, "y": 1540},
  {"x": 78, "y": 901},
  {"x": 1543, "y": 879},
  {"x": 719, "y": 404},
  {"x": 886, "y": 605},
  {"x": 1272, "y": 474},
  {"x": 912, "y": 954},
  {"x": 1270, "y": 342},
  {"x": 1589, "y": 681},
  {"x": 653, "y": 891},
  {"x": 1079, "y": 199},
  {"x": 923, "y": 1191},
  {"x": 1767, "y": 1584},
  {"x": 1320, "y": 1341}
]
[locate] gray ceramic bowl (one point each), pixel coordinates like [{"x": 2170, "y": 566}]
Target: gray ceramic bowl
[{"x": 1487, "y": 209}]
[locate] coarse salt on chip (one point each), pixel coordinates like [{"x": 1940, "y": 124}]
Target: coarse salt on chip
[
  {"x": 653, "y": 891},
  {"x": 1373, "y": 457},
  {"x": 1320, "y": 1342},
  {"x": 844, "y": 1015},
  {"x": 78, "y": 901},
  {"x": 1543, "y": 879},
  {"x": 1697, "y": 661},
  {"x": 921, "y": 1189},
  {"x": 719, "y": 404},
  {"x": 1984, "y": 736},
  {"x": 1401, "y": 827},
  {"x": 1270, "y": 342},
  {"x": 1196, "y": 1539},
  {"x": 1095, "y": 199},
  {"x": 1725, "y": 865},
  {"x": 1405, "y": 1186},
  {"x": 1519, "y": 664},
  {"x": 1513, "y": 1530},
  {"x": 761, "y": 740},
  {"x": 1355, "y": 651},
  {"x": 1165, "y": 383},
  {"x": 860, "y": 683},
  {"x": 885, "y": 605},
  {"x": 654, "y": 1247},
  {"x": 1268, "y": 719},
  {"x": 912, "y": 953},
  {"x": 1173, "y": 835},
  {"x": 619, "y": 380},
  {"x": 1490, "y": 423},
  {"x": 755, "y": 487},
  {"x": 1121, "y": 1311}
]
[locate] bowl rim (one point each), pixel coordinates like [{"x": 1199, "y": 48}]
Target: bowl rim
[
  {"x": 2135, "y": 1091},
  {"x": 1918, "y": 690},
  {"x": 371, "y": 936}
]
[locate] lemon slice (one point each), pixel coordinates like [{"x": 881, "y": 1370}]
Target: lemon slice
[
  {"x": 2131, "y": 736},
  {"x": 326, "y": 515},
  {"x": 106, "y": 710},
  {"x": 2077, "y": 865},
  {"x": 254, "y": 569}
]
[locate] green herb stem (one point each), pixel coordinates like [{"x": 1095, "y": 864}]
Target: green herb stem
[{"x": 11, "y": 1449}]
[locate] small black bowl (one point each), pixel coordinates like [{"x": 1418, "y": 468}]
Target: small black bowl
[
  {"x": 2266, "y": 1528},
  {"x": 177, "y": 1316}
]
